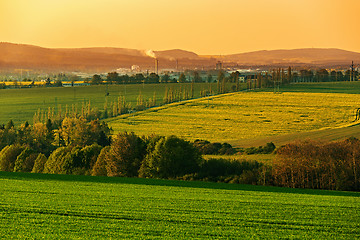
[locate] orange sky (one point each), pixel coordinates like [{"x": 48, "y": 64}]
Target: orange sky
[{"x": 202, "y": 26}]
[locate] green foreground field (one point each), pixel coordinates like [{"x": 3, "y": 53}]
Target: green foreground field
[
  {"x": 20, "y": 105},
  {"x": 35, "y": 206}
]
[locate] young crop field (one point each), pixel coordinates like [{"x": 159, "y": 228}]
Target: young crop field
[
  {"x": 35, "y": 206},
  {"x": 20, "y": 105},
  {"x": 243, "y": 115}
]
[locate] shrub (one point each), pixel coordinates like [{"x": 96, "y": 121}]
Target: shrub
[
  {"x": 267, "y": 149},
  {"x": 207, "y": 148},
  {"x": 216, "y": 168}
]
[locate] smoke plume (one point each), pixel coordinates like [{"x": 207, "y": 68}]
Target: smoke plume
[{"x": 150, "y": 53}]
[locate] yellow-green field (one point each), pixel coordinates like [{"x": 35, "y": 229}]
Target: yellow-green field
[{"x": 245, "y": 115}]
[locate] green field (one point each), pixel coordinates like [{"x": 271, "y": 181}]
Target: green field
[
  {"x": 323, "y": 87},
  {"x": 35, "y": 206},
  {"x": 21, "y": 104}
]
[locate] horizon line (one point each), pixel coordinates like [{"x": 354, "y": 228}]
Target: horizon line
[{"x": 219, "y": 55}]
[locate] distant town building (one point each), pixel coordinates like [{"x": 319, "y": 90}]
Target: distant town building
[{"x": 135, "y": 68}]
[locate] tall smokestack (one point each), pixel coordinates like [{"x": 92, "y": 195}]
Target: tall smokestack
[{"x": 156, "y": 66}]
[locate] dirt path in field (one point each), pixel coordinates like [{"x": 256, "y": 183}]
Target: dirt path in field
[{"x": 329, "y": 134}]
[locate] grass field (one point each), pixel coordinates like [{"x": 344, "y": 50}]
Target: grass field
[
  {"x": 245, "y": 115},
  {"x": 35, "y": 206},
  {"x": 323, "y": 87},
  {"x": 21, "y": 104}
]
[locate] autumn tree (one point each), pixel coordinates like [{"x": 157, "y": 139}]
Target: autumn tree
[
  {"x": 8, "y": 134},
  {"x": 79, "y": 132},
  {"x": 42, "y": 137},
  {"x": 125, "y": 155},
  {"x": 312, "y": 164}
]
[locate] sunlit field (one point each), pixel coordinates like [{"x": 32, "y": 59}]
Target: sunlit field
[
  {"x": 244, "y": 115},
  {"x": 37, "y": 206}
]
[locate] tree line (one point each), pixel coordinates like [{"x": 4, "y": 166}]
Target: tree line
[
  {"x": 268, "y": 78},
  {"x": 78, "y": 146},
  {"x": 85, "y": 147}
]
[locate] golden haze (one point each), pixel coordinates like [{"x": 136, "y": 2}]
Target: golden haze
[{"x": 202, "y": 26}]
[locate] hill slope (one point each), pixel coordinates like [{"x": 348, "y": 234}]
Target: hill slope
[
  {"x": 92, "y": 59},
  {"x": 308, "y": 56},
  {"x": 100, "y": 59}
]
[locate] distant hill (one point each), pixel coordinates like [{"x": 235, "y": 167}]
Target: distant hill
[
  {"x": 106, "y": 50},
  {"x": 93, "y": 59},
  {"x": 176, "y": 54},
  {"x": 308, "y": 56},
  {"x": 103, "y": 59}
]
